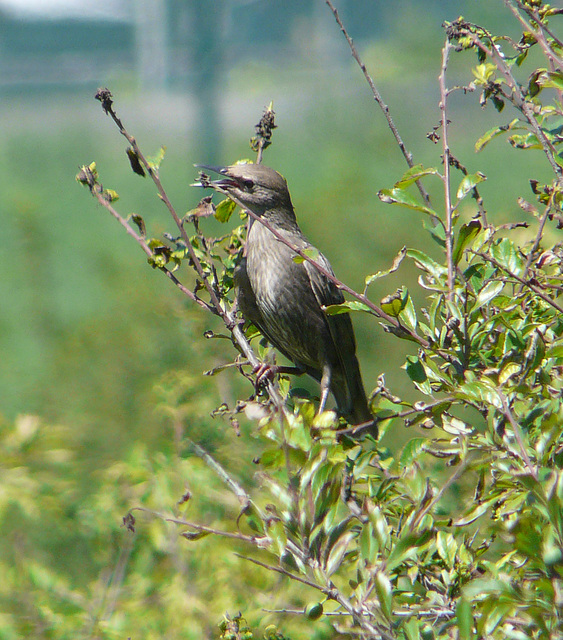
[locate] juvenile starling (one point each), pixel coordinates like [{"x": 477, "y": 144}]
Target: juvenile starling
[{"x": 284, "y": 298}]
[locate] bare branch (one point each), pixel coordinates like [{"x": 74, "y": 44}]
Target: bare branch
[
  {"x": 378, "y": 98},
  {"x": 447, "y": 169}
]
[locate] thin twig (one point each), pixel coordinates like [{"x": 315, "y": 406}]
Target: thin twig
[
  {"x": 447, "y": 169},
  {"x": 233, "y": 485},
  {"x": 458, "y": 473},
  {"x": 526, "y": 283},
  {"x": 517, "y": 98},
  {"x": 285, "y": 572},
  {"x": 518, "y": 435},
  {"x": 97, "y": 192},
  {"x": 536, "y": 243},
  {"x": 105, "y": 97},
  {"x": 378, "y": 98},
  {"x": 537, "y": 33}
]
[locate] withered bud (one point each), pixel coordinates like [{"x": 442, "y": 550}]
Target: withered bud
[{"x": 105, "y": 97}]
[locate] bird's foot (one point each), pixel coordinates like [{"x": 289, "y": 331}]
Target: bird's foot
[{"x": 266, "y": 372}]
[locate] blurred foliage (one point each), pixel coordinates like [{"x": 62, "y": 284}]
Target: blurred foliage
[{"x": 456, "y": 532}]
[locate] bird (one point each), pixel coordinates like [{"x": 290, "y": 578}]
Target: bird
[{"x": 284, "y": 298}]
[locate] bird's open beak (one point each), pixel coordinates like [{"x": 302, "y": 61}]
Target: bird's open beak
[{"x": 222, "y": 184}]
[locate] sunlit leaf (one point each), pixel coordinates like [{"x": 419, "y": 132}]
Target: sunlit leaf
[
  {"x": 345, "y": 307},
  {"x": 384, "y": 592},
  {"x": 413, "y": 174},
  {"x": 402, "y": 197},
  {"x": 465, "y": 236},
  {"x": 488, "y": 292},
  {"x": 468, "y": 183},
  {"x": 491, "y": 134}
]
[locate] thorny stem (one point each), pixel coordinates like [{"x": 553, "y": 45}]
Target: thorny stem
[
  {"x": 379, "y": 99},
  {"x": 447, "y": 168}
]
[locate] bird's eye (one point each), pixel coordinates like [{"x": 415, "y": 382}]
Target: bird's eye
[{"x": 248, "y": 184}]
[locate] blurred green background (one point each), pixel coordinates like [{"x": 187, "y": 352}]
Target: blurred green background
[{"x": 96, "y": 345}]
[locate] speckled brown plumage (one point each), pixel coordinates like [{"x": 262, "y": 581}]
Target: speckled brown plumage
[{"x": 283, "y": 298}]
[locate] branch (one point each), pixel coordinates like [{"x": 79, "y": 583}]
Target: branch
[
  {"x": 338, "y": 283},
  {"x": 447, "y": 173},
  {"x": 518, "y": 100},
  {"x": 87, "y": 177},
  {"x": 105, "y": 97},
  {"x": 521, "y": 280},
  {"x": 233, "y": 485},
  {"x": 537, "y": 33},
  {"x": 507, "y": 412},
  {"x": 378, "y": 98}
]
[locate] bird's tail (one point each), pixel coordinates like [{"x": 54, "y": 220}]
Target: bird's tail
[{"x": 351, "y": 399}]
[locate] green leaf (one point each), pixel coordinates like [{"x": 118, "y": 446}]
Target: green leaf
[
  {"x": 475, "y": 513},
  {"x": 394, "y": 266},
  {"x": 110, "y": 195},
  {"x": 509, "y": 370},
  {"x": 402, "y": 197},
  {"x": 525, "y": 141},
  {"x": 481, "y": 391},
  {"x": 551, "y": 80},
  {"x": 135, "y": 162},
  {"x": 406, "y": 548},
  {"x": 192, "y": 536},
  {"x": 417, "y": 373},
  {"x": 154, "y": 162},
  {"x": 394, "y": 303},
  {"x": 484, "y": 72},
  {"x": 464, "y": 619},
  {"x": 488, "y": 292},
  {"x": 379, "y": 524},
  {"x": 345, "y": 307},
  {"x": 555, "y": 350},
  {"x": 412, "y": 450},
  {"x": 465, "y": 236},
  {"x": 427, "y": 264},
  {"x": 491, "y": 134},
  {"x": 413, "y": 174},
  {"x": 224, "y": 210},
  {"x": 468, "y": 183},
  {"x": 384, "y": 593},
  {"x": 337, "y": 553},
  {"x": 408, "y": 313},
  {"x": 446, "y": 547},
  {"x": 412, "y": 629},
  {"x": 508, "y": 256},
  {"x": 311, "y": 252}
]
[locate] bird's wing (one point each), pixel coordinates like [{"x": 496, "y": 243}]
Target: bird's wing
[{"x": 340, "y": 327}]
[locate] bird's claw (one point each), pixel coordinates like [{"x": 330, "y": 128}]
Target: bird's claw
[{"x": 264, "y": 373}]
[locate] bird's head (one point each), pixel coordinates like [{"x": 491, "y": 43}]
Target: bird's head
[{"x": 252, "y": 186}]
